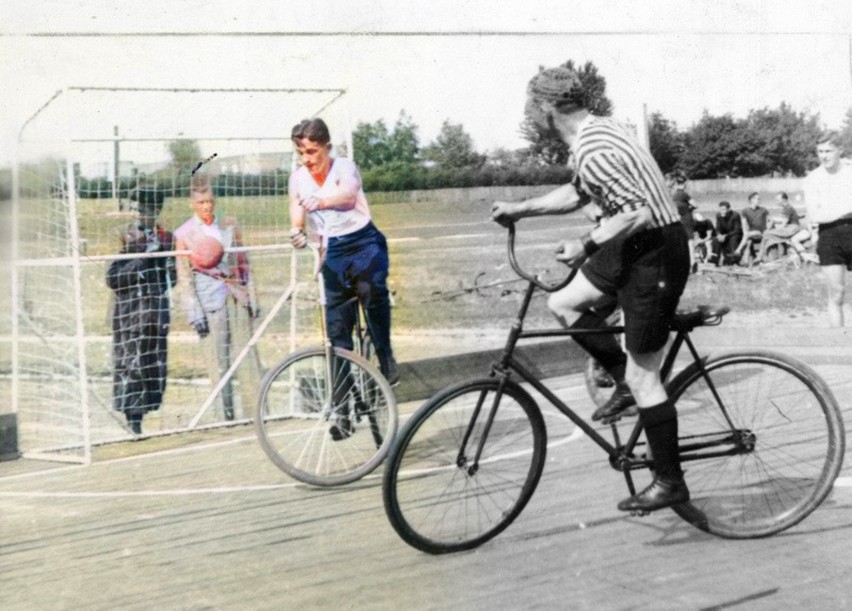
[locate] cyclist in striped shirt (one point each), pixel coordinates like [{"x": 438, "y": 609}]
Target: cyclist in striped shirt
[{"x": 638, "y": 258}]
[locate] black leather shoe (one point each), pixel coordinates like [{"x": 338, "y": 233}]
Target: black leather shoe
[
  {"x": 663, "y": 492},
  {"x": 391, "y": 372},
  {"x": 341, "y": 429},
  {"x": 620, "y": 404}
]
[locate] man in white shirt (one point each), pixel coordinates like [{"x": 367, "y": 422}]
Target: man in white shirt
[
  {"x": 828, "y": 195},
  {"x": 220, "y": 301}
]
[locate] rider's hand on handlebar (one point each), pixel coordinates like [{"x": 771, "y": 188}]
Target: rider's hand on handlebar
[
  {"x": 571, "y": 253},
  {"x": 298, "y": 239},
  {"x": 504, "y": 213}
]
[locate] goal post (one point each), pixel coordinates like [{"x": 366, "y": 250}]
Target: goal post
[{"x": 84, "y": 163}]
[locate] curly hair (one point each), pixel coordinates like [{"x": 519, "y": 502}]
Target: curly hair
[{"x": 561, "y": 86}]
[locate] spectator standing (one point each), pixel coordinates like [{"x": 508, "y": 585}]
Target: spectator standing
[
  {"x": 828, "y": 196},
  {"x": 140, "y": 316},
  {"x": 220, "y": 302},
  {"x": 685, "y": 207}
]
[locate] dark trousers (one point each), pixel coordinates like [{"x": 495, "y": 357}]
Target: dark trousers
[
  {"x": 726, "y": 248},
  {"x": 356, "y": 265}
]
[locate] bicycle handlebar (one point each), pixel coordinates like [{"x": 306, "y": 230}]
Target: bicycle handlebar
[{"x": 547, "y": 287}]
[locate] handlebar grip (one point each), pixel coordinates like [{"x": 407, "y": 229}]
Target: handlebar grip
[{"x": 547, "y": 287}]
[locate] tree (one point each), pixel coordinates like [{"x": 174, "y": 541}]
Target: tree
[
  {"x": 375, "y": 145},
  {"x": 787, "y": 139},
  {"x": 371, "y": 144},
  {"x": 665, "y": 141},
  {"x": 185, "y": 154},
  {"x": 404, "y": 142},
  {"x": 453, "y": 148},
  {"x": 710, "y": 147},
  {"x": 547, "y": 145}
]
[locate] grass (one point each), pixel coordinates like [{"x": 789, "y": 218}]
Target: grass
[
  {"x": 449, "y": 270},
  {"x": 788, "y": 289},
  {"x": 434, "y": 276}
]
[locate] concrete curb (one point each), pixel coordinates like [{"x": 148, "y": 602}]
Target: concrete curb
[
  {"x": 423, "y": 378},
  {"x": 8, "y": 437}
]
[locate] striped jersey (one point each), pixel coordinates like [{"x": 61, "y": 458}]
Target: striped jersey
[{"x": 618, "y": 173}]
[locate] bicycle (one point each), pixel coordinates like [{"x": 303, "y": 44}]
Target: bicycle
[
  {"x": 761, "y": 440},
  {"x": 327, "y": 416}
]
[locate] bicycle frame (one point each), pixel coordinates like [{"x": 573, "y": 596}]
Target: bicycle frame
[{"x": 621, "y": 455}]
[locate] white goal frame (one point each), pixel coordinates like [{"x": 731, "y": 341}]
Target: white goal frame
[{"x": 77, "y": 448}]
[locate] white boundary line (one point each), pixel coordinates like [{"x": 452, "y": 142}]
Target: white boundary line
[{"x": 577, "y": 433}]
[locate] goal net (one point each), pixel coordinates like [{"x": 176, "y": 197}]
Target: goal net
[{"x": 101, "y": 334}]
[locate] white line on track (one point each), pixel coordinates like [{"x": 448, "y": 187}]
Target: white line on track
[
  {"x": 143, "y": 493},
  {"x": 576, "y": 433},
  {"x": 463, "y": 236},
  {"x": 94, "y": 465}
]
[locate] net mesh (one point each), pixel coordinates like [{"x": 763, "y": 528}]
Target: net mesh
[{"x": 100, "y": 336}]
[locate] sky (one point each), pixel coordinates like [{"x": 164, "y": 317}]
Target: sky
[{"x": 466, "y": 61}]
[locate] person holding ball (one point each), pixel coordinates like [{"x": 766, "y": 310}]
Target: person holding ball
[
  {"x": 218, "y": 294},
  {"x": 356, "y": 264}
]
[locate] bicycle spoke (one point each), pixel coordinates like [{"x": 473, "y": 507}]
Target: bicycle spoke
[
  {"x": 438, "y": 499},
  {"x": 790, "y": 450},
  {"x": 325, "y": 431}
]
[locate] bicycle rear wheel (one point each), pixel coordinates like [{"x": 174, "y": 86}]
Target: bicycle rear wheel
[
  {"x": 298, "y": 406},
  {"x": 438, "y": 496},
  {"x": 776, "y": 460}
]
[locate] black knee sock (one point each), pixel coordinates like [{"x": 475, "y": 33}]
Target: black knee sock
[
  {"x": 660, "y": 423},
  {"x": 603, "y": 347}
]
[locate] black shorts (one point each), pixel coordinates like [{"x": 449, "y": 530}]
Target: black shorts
[
  {"x": 834, "y": 246},
  {"x": 647, "y": 272}
]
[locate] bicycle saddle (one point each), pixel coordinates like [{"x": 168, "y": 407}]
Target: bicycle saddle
[{"x": 686, "y": 320}]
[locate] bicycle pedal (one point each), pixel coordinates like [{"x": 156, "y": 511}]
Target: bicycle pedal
[{"x": 639, "y": 513}]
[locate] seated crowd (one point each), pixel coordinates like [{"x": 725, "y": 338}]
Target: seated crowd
[{"x": 747, "y": 237}]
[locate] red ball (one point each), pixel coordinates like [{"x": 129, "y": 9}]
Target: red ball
[{"x": 206, "y": 253}]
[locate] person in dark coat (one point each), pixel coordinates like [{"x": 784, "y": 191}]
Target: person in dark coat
[
  {"x": 729, "y": 235},
  {"x": 140, "y": 316}
]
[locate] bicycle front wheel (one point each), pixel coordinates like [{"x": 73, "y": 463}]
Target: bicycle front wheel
[
  {"x": 324, "y": 425},
  {"x": 464, "y": 466},
  {"x": 761, "y": 442}
]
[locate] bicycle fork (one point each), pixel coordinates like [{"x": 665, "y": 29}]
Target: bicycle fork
[{"x": 462, "y": 461}]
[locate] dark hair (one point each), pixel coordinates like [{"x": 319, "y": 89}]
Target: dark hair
[
  {"x": 752, "y": 195},
  {"x": 783, "y": 195},
  {"x": 314, "y": 130},
  {"x": 725, "y": 203},
  {"x": 832, "y": 136}
]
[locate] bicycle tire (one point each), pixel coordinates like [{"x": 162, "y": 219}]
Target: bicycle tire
[
  {"x": 790, "y": 420},
  {"x": 296, "y": 410},
  {"x": 432, "y": 500}
]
